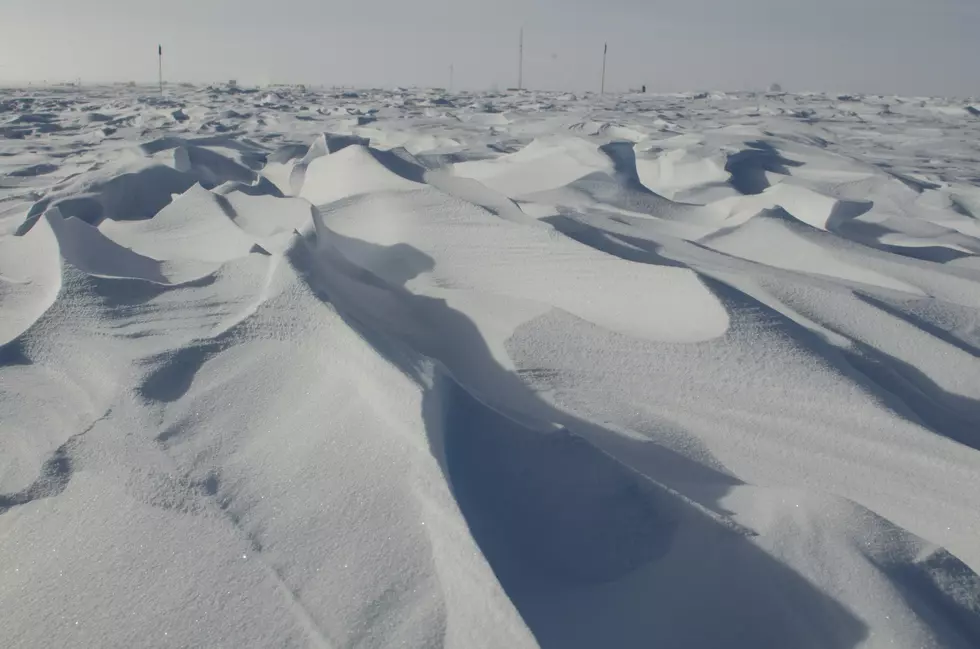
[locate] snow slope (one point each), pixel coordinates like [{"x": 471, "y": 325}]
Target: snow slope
[{"x": 399, "y": 368}]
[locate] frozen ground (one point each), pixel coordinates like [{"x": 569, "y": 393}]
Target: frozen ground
[{"x": 408, "y": 369}]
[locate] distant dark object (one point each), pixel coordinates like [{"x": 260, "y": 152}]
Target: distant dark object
[
  {"x": 803, "y": 113},
  {"x": 775, "y": 88},
  {"x": 643, "y": 89}
]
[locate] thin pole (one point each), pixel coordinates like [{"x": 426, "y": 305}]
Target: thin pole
[
  {"x": 160, "y": 62},
  {"x": 520, "y": 62},
  {"x": 605, "y": 51}
]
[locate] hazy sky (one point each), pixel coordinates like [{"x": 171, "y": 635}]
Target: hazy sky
[{"x": 887, "y": 46}]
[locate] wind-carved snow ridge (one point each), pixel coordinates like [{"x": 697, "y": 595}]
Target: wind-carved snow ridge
[{"x": 406, "y": 368}]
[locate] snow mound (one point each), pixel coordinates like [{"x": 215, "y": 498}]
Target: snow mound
[
  {"x": 676, "y": 173},
  {"x": 353, "y": 170},
  {"x": 195, "y": 227},
  {"x": 545, "y": 163},
  {"x": 90, "y": 251},
  {"x": 30, "y": 279},
  {"x": 771, "y": 238},
  {"x": 531, "y": 266},
  {"x": 289, "y": 173}
]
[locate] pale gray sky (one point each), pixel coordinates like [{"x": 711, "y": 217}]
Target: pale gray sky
[{"x": 887, "y": 46}]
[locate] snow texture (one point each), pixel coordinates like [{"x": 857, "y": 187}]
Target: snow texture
[{"x": 297, "y": 368}]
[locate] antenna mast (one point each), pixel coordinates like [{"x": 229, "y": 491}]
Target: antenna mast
[{"x": 520, "y": 62}]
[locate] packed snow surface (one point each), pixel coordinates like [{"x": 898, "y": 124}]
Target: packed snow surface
[{"x": 301, "y": 368}]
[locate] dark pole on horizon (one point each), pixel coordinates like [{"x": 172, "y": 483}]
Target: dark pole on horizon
[
  {"x": 160, "y": 66},
  {"x": 605, "y": 51},
  {"x": 520, "y": 61}
]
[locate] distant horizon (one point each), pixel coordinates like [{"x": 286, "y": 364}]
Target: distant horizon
[
  {"x": 152, "y": 85},
  {"x": 880, "y": 47}
]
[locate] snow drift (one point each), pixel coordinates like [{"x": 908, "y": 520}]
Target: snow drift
[{"x": 555, "y": 376}]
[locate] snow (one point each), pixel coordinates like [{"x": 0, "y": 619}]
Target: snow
[{"x": 306, "y": 368}]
